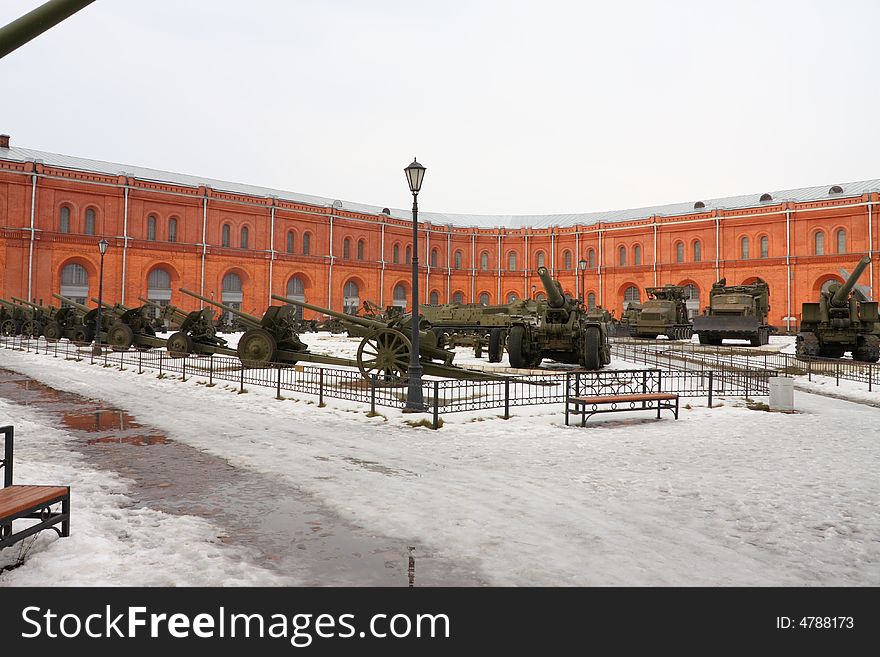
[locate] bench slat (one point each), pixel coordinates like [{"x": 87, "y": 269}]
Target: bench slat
[
  {"x": 617, "y": 399},
  {"x": 17, "y": 499}
]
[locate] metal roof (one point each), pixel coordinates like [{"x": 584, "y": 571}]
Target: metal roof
[{"x": 817, "y": 193}]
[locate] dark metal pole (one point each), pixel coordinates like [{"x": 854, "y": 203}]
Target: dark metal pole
[
  {"x": 34, "y": 23},
  {"x": 97, "y": 348},
  {"x": 414, "y": 399}
]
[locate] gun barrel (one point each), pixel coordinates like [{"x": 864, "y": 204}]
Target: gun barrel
[
  {"x": 27, "y": 303},
  {"x": 79, "y": 306},
  {"x": 238, "y": 313},
  {"x": 840, "y": 297},
  {"x": 353, "y": 319},
  {"x": 554, "y": 296}
]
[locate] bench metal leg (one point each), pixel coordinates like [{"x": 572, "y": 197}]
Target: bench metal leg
[{"x": 65, "y": 511}]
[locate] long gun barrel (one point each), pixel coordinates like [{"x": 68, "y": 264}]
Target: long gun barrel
[
  {"x": 353, "y": 319},
  {"x": 554, "y": 297},
  {"x": 251, "y": 319},
  {"x": 119, "y": 309},
  {"x": 174, "y": 313},
  {"x": 79, "y": 306},
  {"x": 23, "y": 29},
  {"x": 840, "y": 297},
  {"x": 28, "y": 303}
]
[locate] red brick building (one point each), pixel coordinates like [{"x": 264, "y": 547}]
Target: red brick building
[{"x": 241, "y": 243}]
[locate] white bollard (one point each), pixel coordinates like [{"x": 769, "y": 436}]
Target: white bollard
[{"x": 781, "y": 393}]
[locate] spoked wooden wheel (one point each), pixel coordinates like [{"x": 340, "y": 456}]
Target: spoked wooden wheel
[
  {"x": 31, "y": 329},
  {"x": 386, "y": 354}
]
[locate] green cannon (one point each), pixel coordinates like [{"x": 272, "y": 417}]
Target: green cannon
[
  {"x": 195, "y": 333},
  {"x": 80, "y": 328},
  {"x": 129, "y": 327},
  {"x": 51, "y": 320},
  {"x": 13, "y": 318}
]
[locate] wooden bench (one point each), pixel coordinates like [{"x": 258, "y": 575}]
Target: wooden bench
[
  {"x": 19, "y": 502},
  {"x": 590, "y": 393},
  {"x": 637, "y": 402}
]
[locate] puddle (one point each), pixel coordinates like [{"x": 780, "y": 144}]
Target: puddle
[{"x": 292, "y": 532}]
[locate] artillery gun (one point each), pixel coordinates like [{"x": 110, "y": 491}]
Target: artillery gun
[
  {"x": 54, "y": 322},
  {"x": 81, "y": 327},
  {"x": 736, "y": 312},
  {"x": 131, "y": 327},
  {"x": 13, "y": 318},
  {"x": 195, "y": 330},
  {"x": 843, "y": 320},
  {"x": 665, "y": 312},
  {"x": 560, "y": 330}
]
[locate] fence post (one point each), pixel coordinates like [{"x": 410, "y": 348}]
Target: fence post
[
  {"x": 278, "y": 381},
  {"x": 809, "y": 370},
  {"x": 567, "y": 388},
  {"x": 184, "y": 368},
  {"x": 241, "y": 379},
  {"x": 106, "y": 355},
  {"x": 506, "y": 398},
  {"x": 870, "y": 375},
  {"x": 140, "y": 362},
  {"x": 372, "y": 394},
  {"x": 837, "y": 373},
  {"x": 710, "y": 388},
  {"x": 211, "y": 369},
  {"x": 321, "y": 387},
  {"x": 436, "y": 404},
  {"x": 160, "y": 363}
]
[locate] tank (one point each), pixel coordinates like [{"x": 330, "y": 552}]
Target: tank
[
  {"x": 624, "y": 326},
  {"x": 664, "y": 313},
  {"x": 843, "y": 320},
  {"x": 560, "y": 330},
  {"x": 736, "y": 312}
]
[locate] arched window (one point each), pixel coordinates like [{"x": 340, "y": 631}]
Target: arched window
[
  {"x": 692, "y": 300},
  {"x": 151, "y": 227},
  {"x": 75, "y": 283},
  {"x": 231, "y": 287},
  {"x": 484, "y": 261},
  {"x": 566, "y": 259},
  {"x": 511, "y": 261},
  {"x": 540, "y": 296},
  {"x": 395, "y": 255},
  {"x": 172, "y": 229},
  {"x": 351, "y": 298},
  {"x": 765, "y": 247},
  {"x": 408, "y": 257},
  {"x": 512, "y": 297},
  {"x": 244, "y": 237},
  {"x": 226, "y": 239},
  {"x": 433, "y": 257},
  {"x": 637, "y": 255},
  {"x": 458, "y": 297},
  {"x": 698, "y": 251},
  {"x": 841, "y": 241},
  {"x": 435, "y": 298},
  {"x": 744, "y": 248},
  {"x": 307, "y": 243},
  {"x": 484, "y": 298},
  {"x": 591, "y": 259},
  {"x": 399, "y": 295},
  {"x": 631, "y": 294},
  {"x": 346, "y": 249},
  {"x": 159, "y": 286},
  {"x": 457, "y": 259},
  {"x": 90, "y": 222},
  {"x": 622, "y": 256},
  {"x": 819, "y": 243},
  {"x": 540, "y": 258},
  {"x": 291, "y": 241},
  {"x": 360, "y": 251},
  {"x": 296, "y": 290},
  {"x": 679, "y": 251},
  {"x": 64, "y": 223},
  {"x": 591, "y": 301}
]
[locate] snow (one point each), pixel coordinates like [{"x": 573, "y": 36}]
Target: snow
[{"x": 723, "y": 496}]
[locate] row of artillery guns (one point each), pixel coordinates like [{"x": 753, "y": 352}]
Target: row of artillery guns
[{"x": 33, "y": 320}]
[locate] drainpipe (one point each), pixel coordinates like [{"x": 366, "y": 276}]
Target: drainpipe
[
  {"x": 871, "y": 247},
  {"x": 527, "y": 263},
  {"x": 204, "y": 244},
  {"x": 330, "y": 270},
  {"x": 427, "y": 262},
  {"x": 553, "y": 252},
  {"x": 30, "y": 290},
  {"x": 599, "y": 270},
  {"x": 124, "y": 238},
  {"x": 787, "y": 270},
  {"x": 271, "y": 249},
  {"x": 655, "y": 251},
  {"x": 382, "y": 271},
  {"x": 448, "y": 262},
  {"x": 577, "y": 256},
  {"x": 473, "y": 265},
  {"x": 717, "y": 246},
  {"x": 498, "y": 269}
]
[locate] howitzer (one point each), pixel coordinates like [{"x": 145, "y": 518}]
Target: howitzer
[
  {"x": 840, "y": 297},
  {"x": 131, "y": 327},
  {"x": 50, "y": 321},
  {"x": 14, "y": 318},
  {"x": 79, "y": 326},
  {"x": 196, "y": 332},
  {"x": 23, "y": 29}
]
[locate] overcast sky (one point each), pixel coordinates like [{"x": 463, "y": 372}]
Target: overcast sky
[{"x": 514, "y": 107}]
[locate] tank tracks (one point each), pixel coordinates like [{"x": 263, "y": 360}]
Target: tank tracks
[
  {"x": 807, "y": 345},
  {"x": 868, "y": 350}
]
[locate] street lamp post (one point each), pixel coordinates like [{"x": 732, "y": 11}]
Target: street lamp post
[
  {"x": 582, "y": 265},
  {"x": 415, "y": 402},
  {"x": 102, "y": 247}
]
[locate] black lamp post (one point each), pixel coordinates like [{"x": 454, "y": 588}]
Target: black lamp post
[
  {"x": 102, "y": 247},
  {"x": 415, "y": 402},
  {"x": 582, "y": 265}
]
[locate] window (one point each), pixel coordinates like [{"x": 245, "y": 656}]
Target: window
[
  {"x": 622, "y": 256},
  {"x": 75, "y": 283},
  {"x": 64, "y": 223},
  {"x": 435, "y": 298},
  {"x": 296, "y": 290},
  {"x": 151, "y": 227},
  {"x": 351, "y": 298},
  {"x": 819, "y": 243},
  {"x": 511, "y": 261},
  {"x": 637, "y": 255},
  {"x": 484, "y": 261},
  {"x": 172, "y": 229},
  {"x": 159, "y": 285},
  {"x": 566, "y": 259},
  {"x": 433, "y": 257},
  {"x": 360, "y": 251},
  {"x": 291, "y": 241},
  {"x": 765, "y": 247},
  {"x": 512, "y": 297},
  {"x": 540, "y": 258},
  {"x": 679, "y": 251},
  {"x": 631, "y": 294},
  {"x": 698, "y": 251},
  {"x": 307, "y": 243},
  {"x": 90, "y": 222},
  {"x": 744, "y": 248},
  {"x": 408, "y": 256},
  {"x": 231, "y": 284},
  {"x": 841, "y": 241},
  {"x": 458, "y": 297},
  {"x": 399, "y": 295},
  {"x": 244, "y": 237},
  {"x": 692, "y": 300},
  {"x": 226, "y": 239},
  {"x": 395, "y": 255},
  {"x": 591, "y": 259},
  {"x": 346, "y": 249},
  {"x": 484, "y": 298},
  {"x": 457, "y": 259},
  {"x": 591, "y": 301}
]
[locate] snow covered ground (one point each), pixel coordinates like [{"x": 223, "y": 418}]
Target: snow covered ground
[{"x": 723, "y": 496}]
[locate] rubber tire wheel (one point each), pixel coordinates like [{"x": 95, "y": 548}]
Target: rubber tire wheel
[
  {"x": 53, "y": 332},
  {"x": 120, "y": 337},
  {"x": 496, "y": 350},
  {"x": 184, "y": 345},
  {"x": 83, "y": 335},
  {"x": 515, "y": 340},
  {"x": 592, "y": 358},
  {"x": 268, "y": 339}
]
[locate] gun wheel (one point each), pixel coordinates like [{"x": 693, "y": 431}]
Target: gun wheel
[
  {"x": 386, "y": 354},
  {"x": 257, "y": 346},
  {"x": 9, "y": 328},
  {"x": 53, "y": 331},
  {"x": 179, "y": 345},
  {"x": 120, "y": 337},
  {"x": 31, "y": 329}
]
